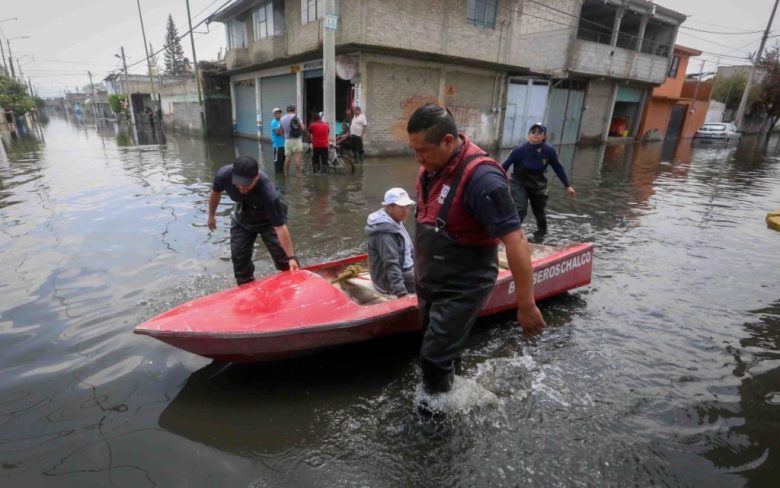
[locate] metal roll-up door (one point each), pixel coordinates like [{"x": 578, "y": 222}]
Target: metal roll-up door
[
  {"x": 276, "y": 91},
  {"x": 246, "y": 108}
]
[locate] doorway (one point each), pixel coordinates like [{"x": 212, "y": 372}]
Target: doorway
[
  {"x": 676, "y": 119},
  {"x": 313, "y": 97}
]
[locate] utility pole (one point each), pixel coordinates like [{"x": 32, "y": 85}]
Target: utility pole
[
  {"x": 126, "y": 88},
  {"x": 2, "y": 50},
  {"x": 329, "y": 27},
  {"x": 94, "y": 98},
  {"x": 746, "y": 93},
  {"x": 696, "y": 90},
  {"x": 197, "y": 72},
  {"x": 148, "y": 60},
  {"x": 10, "y": 58}
]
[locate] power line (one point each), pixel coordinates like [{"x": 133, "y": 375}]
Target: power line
[
  {"x": 721, "y": 33},
  {"x": 694, "y": 21},
  {"x": 181, "y": 36},
  {"x": 707, "y": 40}
]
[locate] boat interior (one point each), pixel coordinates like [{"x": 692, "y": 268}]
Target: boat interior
[{"x": 355, "y": 281}]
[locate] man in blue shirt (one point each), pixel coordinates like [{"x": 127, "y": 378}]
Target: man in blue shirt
[
  {"x": 260, "y": 210},
  {"x": 529, "y": 183},
  {"x": 277, "y": 140}
]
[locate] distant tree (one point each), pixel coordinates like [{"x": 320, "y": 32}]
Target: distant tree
[
  {"x": 174, "y": 53},
  {"x": 154, "y": 60},
  {"x": 118, "y": 104},
  {"x": 768, "y": 99},
  {"x": 729, "y": 89},
  {"x": 14, "y": 96}
]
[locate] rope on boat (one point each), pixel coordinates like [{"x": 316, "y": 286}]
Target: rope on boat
[{"x": 349, "y": 272}]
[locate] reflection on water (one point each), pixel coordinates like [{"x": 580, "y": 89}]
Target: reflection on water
[{"x": 663, "y": 372}]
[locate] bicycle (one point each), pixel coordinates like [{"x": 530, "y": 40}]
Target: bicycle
[{"x": 338, "y": 163}]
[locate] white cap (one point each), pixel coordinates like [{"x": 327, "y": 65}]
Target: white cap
[
  {"x": 397, "y": 196},
  {"x": 277, "y": 109}
]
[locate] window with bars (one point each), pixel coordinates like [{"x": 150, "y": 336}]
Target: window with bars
[
  {"x": 263, "y": 17},
  {"x": 312, "y": 10},
  {"x": 481, "y": 13},
  {"x": 673, "y": 67},
  {"x": 236, "y": 34}
]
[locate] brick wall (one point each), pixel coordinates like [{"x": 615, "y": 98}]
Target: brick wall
[
  {"x": 542, "y": 35},
  {"x": 397, "y": 87}
]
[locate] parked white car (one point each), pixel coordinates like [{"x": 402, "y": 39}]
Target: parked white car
[{"x": 722, "y": 131}]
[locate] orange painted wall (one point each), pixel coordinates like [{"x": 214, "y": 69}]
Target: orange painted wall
[
  {"x": 672, "y": 87},
  {"x": 677, "y": 91}
]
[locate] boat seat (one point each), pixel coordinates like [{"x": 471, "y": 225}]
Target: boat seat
[{"x": 361, "y": 289}]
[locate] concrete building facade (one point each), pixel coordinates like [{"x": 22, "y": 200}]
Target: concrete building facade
[
  {"x": 499, "y": 65},
  {"x": 603, "y": 58}
]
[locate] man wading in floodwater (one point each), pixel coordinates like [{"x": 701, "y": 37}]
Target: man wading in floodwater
[
  {"x": 464, "y": 209},
  {"x": 260, "y": 210}
]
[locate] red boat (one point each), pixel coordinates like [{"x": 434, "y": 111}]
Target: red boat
[{"x": 301, "y": 312}]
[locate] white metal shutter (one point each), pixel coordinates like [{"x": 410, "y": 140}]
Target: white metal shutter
[{"x": 276, "y": 91}]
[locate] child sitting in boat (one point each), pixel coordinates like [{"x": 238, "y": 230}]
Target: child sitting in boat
[{"x": 390, "y": 249}]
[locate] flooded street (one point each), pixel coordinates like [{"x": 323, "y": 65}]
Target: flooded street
[{"x": 664, "y": 371}]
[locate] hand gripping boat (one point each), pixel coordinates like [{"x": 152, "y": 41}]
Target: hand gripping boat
[{"x": 300, "y": 312}]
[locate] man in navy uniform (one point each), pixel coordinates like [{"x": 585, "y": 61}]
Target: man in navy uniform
[
  {"x": 260, "y": 210},
  {"x": 464, "y": 209}
]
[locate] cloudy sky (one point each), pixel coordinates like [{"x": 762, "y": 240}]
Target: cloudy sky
[{"x": 67, "y": 38}]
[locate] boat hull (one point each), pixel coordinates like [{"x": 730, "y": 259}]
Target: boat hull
[{"x": 301, "y": 312}]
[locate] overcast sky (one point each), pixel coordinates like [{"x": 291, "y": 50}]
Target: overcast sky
[{"x": 69, "y": 37}]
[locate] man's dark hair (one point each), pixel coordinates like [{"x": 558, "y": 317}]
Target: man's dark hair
[
  {"x": 291, "y": 108},
  {"x": 435, "y": 120},
  {"x": 316, "y": 117}
]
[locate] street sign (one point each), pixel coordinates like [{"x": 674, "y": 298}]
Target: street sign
[{"x": 331, "y": 22}]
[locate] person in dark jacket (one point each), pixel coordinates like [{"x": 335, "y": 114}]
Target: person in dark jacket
[
  {"x": 529, "y": 183},
  {"x": 390, "y": 252},
  {"x": 260, "y": 210}
]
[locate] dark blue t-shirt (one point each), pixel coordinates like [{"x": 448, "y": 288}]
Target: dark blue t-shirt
[
  {"x": 487, "y": 198},
  {"x": 530, "y": 162},
  {"x": 261, "y": 204}
]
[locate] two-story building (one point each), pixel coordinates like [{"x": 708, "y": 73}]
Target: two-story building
[
  {"x": 678, "y": 107},
  {"x": 499, "y": 65},
  {"x": 602, "y": 57}
]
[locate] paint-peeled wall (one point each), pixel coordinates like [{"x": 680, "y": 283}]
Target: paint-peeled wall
[{"x": 395, "y": 88}]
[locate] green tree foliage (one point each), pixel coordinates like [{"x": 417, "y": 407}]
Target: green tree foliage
[
  {"x": 768, "y": 99},
  {"x": 173, "y": 53},
  {"x": 729, "y": 90},
  {"x": 14, "y": 96},
  {"x": 118, "y": 103}
]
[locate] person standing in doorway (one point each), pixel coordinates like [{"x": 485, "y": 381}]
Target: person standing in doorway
[
  {"x": 260, "y": 210},
  {"x": 319, "y": 131},
  {"x": 529, "y": 182},
  {"x": 357, "y": 132},
  {"x": 293, "y": 140},
  {"x": 464, "y": 209},
  {"x": 277, "y": 140}
]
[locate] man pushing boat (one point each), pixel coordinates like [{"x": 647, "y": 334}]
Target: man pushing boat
[
  {"x": 260, "y": 210},
  {"x": 464, "y": 209}
]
